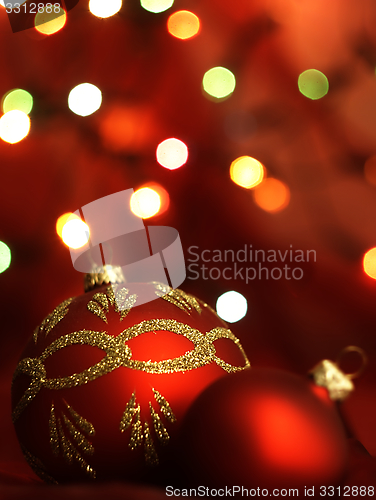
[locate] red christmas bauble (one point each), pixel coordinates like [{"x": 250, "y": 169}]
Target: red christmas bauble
[
  {"x": 264, "y": 429},
  {"x": 100, "y": 390}
]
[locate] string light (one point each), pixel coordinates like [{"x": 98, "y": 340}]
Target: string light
[
  {"x": 247, "y": 172},
  {"x": 14, "y": 126},
  {"x": 369, "y": 263},
  {"x": 104, "y": 9},
  {"x": 219, "y": 82},
  {"x": 49, "y": 23},
  {"x": 163, "y": 195},
  {"x": 145, "y": 203},
  {"x": 313, "y": 84},
  {"x": 172, "y": 153},
  {"x": 5, "y": 257},
  {"x": 75, "y": 233},
  {"x": 156, "y": 6},
  {"x": 17, "y": 99},
  {"x": 183, "y": 24},
  {"x": 85, "y": 99},
  {"x": 232, "y": 306},
  {"x": 271, "y": 195}
]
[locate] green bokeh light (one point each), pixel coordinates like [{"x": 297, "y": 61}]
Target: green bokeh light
[
  {"x": 156, "y": 6},
  {"x": 313, "y": 84},
  {"x": 5, "y": 257},
  {"x": 17, "y": 99},
  {"x": 219, "y": 82}
]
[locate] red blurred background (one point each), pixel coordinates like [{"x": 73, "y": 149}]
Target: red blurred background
[{"x": 152, "y": 89}]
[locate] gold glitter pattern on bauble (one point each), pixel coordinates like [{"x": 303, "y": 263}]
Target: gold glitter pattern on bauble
[
  {"x": 118, "y": 354},
  {"x": 136, "y": 433},
  {"x": 178, "y": 298},
  {"x": 132, "y": 417},
  {"x": 165, "y": 407},
  {"x": 151, "y": 456},
  {"x": 128, "y": 414},
  {"x": 67, "y": 443},
  {"x": 52, "y": 319},
  {"x": 159, "y": 428},
  {"x": 99, "y": 304}
]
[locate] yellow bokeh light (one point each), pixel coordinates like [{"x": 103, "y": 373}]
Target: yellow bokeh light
[
  {"x": 219, "y": 82},
  {"x": 62, "y": 220},
  {"x": 247, "y": 172},
  {"x": 145, "y": 202},
  {"x": 183, "y": 24},
  {"x": 370, "y": 170},
  {"x": 85, "y": 99},
  {"x": 156, "y": 6},
  {"x": 105, "y": 8},
  {"x": 369, "y": 263},
  {"x": 272, "y": 195},
  {"x": 17, "y": 99},
  {"x": 14, "y": 126},
  {"x": 75, "y": 232},
  {"x": 49, "y": 23},
  {"x": 172, "y": 153}
]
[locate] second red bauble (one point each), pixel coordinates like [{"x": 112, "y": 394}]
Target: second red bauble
[{"x": 263, "y": 428}]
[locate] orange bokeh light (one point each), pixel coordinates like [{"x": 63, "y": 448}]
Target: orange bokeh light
[
  {"x": 369, "y": 263},
  {"x": 163, "y": 195},
  {"x": 62, "y": 220},
  {"x": 271, "y": 195},
  {"x": 183, "y": 24}
]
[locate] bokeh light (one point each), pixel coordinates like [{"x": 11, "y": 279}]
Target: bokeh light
[
  {"x": 247, "y": 172},
  {"x": 85, "y": 99},
  {"x": 163, "y": 195},
  {"x": 172, "y": 153},
  {"x": 49, "y": 23},
  {"x": 313, "y": 84},
  {"x": 271, "y": 195},
  {"x": 105, "y": 8},
  {"x": 145, "y": 202},
  {"x": 156, "y": 6},
  {"x": 369, "y": 263},
  {"x": 62, "y": 220},
  {"x": 14, "y": 126},
  {"x": 231, "y": 306},
  {"x": 5, "y": 257},
  {"x": 75, "y": 232},
  {"x": 370, "y": 170},
  {"x": 183, "y": 24},
  {"x": 17, "y": 99},
  {"x": 219, "y": 82}
]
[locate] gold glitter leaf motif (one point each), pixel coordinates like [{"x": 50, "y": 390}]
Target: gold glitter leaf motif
[
  {"x": 52, "y": 319},
  {"x": 71, "y": 443},
  {"x": 132, "y": 417},
  {"x": 99, "y": 305},
  {"x": 118, "y": 354},
  {"x": 178, "y": 298}
]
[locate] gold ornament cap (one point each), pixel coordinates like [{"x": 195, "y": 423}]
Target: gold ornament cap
[
  {"x": 103, "y": 275},
  {"x": 338, "y": 383}
]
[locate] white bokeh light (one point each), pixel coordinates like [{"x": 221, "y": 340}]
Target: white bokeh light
[
  {"x": 75, "y": 233},
  {"x": 231, "y": 306},
  {"x": 85, "y": 99}
]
